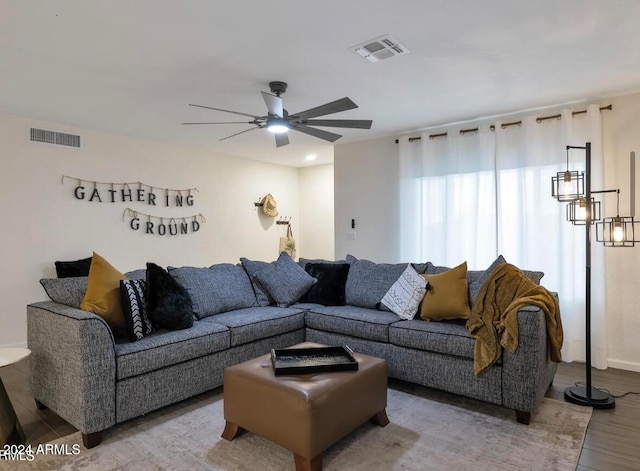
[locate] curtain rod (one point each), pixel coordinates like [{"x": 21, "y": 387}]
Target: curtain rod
[{"x": 506, "y": 125}]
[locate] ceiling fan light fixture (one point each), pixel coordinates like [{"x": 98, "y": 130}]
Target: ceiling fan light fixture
[
  {"x": 278, "y": 121},
  {"x": 278, "y": 126}
]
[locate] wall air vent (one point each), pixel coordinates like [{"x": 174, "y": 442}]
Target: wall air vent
[
  {"x": 54, "y": 137},
  {"x": 381, "y": 48}
]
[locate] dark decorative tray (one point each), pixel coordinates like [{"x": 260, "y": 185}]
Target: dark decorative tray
[{"x": 300, "y": 361}]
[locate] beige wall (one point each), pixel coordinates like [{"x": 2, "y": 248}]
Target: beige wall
[
  {"x": 43, "y": 222},
  {"x": 316, "y": 229},
  {"x": 622, "y": 135},
  {"x": 366, "y": 187}
]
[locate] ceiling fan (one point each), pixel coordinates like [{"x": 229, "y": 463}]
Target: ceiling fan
[{"x": 279, "y": 122}]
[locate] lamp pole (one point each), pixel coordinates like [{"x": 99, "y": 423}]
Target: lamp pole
[{"x": 588, "y": 396}]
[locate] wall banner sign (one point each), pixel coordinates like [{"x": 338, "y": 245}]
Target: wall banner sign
[
  {"x": 139, "y": 192},
  {"x": 162, "y": 226}
]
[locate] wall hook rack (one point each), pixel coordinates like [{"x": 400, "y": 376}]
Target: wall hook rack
[
  {"x": 259, "y": 203},
  {"x": 284, "y": 220}
]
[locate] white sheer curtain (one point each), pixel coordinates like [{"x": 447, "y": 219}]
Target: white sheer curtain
[
  {"x": 448, "y": 199},
  {"x": 474, "y": 196}
]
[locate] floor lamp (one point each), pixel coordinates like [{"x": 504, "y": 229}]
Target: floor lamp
[{"x": 575, "y": 188}]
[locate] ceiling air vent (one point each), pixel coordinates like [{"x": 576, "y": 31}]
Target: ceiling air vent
[
  {"x": 380, "y": 48},
  {"x": 54, "y": 137}
]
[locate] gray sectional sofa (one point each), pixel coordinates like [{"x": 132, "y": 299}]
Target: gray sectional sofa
[{"x": 95, "y": 380}]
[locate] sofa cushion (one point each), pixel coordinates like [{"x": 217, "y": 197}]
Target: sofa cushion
[
  {"x": 139, "y": 274},
  {"x": 73, "y": 268},
  {"x": 255, "y": 323},
  {"x": 354, "y": 321},
  {"x": 252, "y": 267},
  {"x": 285, "y": 281},
  {"x": 68, "y": 291},
  {"x": 329, "y": 290},
  {"x": 219, "y": 288},
  {"x": 169, "y": 347},
  {"x": 103, "y": 294},
  {"x": 447, "y": 337},
  {"x": 168, "y": 303},
  {"x": 447, "y": 297},
  {"x": 476, "y": 284},
  {"x": 134, "y": 307},
  {"x": 434, "y": 269},
  {"x": 368, "y": 282},
  {"x": 405, "y": 295}
]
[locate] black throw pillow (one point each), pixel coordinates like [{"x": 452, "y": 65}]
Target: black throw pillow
[
  {"x": 72, "y": 269},
  {"x": 329, "y": 290},
  {"x": 168, "y": 303}
]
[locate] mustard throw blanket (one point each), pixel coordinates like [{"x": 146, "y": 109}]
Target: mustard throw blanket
[{"x": 494, "y": 321}]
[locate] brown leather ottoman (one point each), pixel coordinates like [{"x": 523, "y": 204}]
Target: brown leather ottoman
[{"x": 303, "y": 413}]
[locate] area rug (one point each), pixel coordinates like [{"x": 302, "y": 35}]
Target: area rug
[{"x": 425, "y": 433}]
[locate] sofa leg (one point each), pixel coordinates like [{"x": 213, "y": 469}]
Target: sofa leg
[
  {"x": 40, "y": 405},
  {"x": 89, "y": 440},
  {"x": 523, "y": 417}
]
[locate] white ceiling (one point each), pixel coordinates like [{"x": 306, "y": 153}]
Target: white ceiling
[{"x": 132, "y": 67}]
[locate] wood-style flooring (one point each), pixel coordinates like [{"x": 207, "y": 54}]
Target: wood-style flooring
[{"x": 612, "y": 442}]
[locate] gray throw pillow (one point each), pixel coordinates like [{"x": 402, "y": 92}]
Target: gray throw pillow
[
  {"x": 285, "y": 281},
  {"x": 252, "y": 267},
  {"x": 69, "y": 291},
  {"x": 219, "y": 288}
]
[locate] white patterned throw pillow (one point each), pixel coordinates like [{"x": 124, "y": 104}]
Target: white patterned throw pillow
[
  {"x": 134, "y": 308},
  {"x": 405, "y": 295}
]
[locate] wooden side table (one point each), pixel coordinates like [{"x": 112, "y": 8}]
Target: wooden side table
[{"x": 10, "y": 429}]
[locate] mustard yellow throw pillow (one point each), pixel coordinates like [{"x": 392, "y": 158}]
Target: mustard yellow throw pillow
[
  {"x": 103, "y": 294},
  {"x": 447, "y": 297}
]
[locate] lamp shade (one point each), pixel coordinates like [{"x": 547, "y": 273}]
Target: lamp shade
[
  {"x": 567, "y": 186},
  {"x": 577, "y": 211},
  {"x": 617, "y": 231}
]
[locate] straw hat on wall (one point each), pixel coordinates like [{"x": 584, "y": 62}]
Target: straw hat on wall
[{"x": 269, "y": 206}]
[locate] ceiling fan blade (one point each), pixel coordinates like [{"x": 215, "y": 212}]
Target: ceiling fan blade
[
  {"x": 225, "y": 122},
  {"x": 326, "y": 135},
  {"x": 241, "y": 132},
  {"x": 274, "y": 104},
  {"x": 282, "y": 139},
  {"x": 342, "y": 104},
  {"x": 340, "y": 123},
  {"x": 226, "y": 111}
]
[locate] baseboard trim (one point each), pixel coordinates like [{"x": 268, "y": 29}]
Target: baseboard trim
[
  {"x": 624, "y": 365},
  {"x": 13, "y": 345}
]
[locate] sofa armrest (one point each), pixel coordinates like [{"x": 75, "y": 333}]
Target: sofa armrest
[
  {"x": 72, "y": 364},
  {"x": 527, "y": 373}
]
